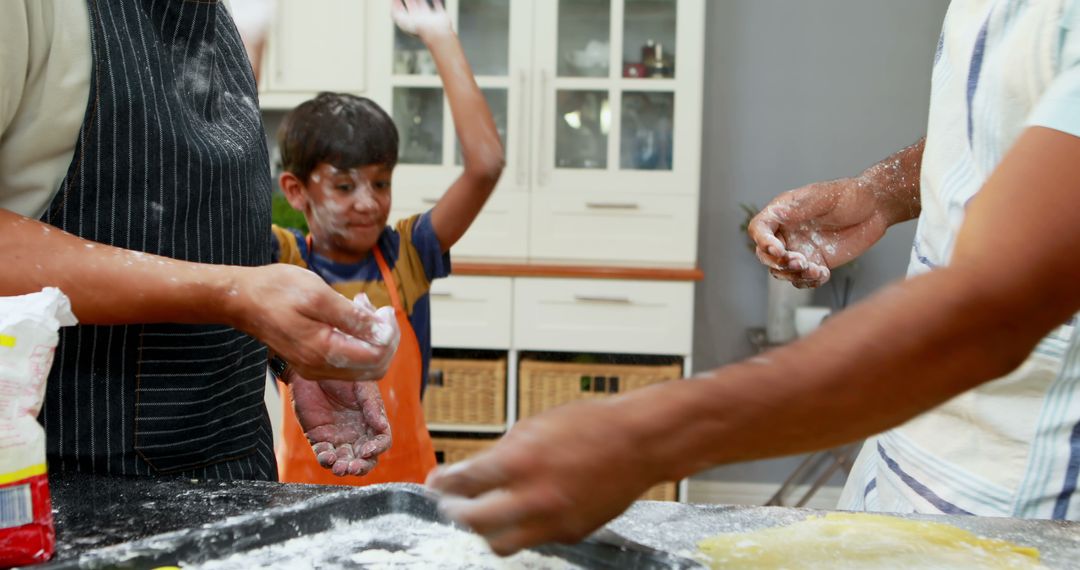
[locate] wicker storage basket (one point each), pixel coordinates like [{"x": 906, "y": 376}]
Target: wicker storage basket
[
  {"x": 662, "y": 492},
  {"x": 452, "y": 450},
  {"x": 545, "y": 384},
  {"x": 466, "y": 392}
]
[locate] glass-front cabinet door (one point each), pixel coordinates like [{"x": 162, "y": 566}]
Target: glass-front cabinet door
[
  {"x": 612, "y": 98},
  {"x": 598, "y": 103},
  {"x": 496, "y": 37},
  {"x": 617, "y": 126}
]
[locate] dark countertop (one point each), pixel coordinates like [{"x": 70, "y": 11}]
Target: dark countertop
[{"x": 94, "y": 512}]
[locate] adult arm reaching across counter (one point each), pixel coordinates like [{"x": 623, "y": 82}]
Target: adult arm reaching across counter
[{"x": 560, "y": 475}]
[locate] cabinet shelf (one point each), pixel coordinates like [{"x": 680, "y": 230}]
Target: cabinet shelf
[
  {"x": 619, "y": 83},
  {"x": 483, "y": 268},
  {"x": 457, "y": 428}
]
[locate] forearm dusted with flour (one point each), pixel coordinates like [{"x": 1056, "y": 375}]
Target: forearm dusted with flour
[
  {"x": 320, "y": 332},
  {"x": 907, "y": 349},
  {"x": 109, "y": 285},
  {"x": 896, "y": 183},
  {"x": 867, "y": 369}
]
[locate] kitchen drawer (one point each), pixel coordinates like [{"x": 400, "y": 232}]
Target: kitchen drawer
[
  {"x": 608, "y": 228},
  {"x": 598, "y": 315},
  {"x": 500, "y": 231},
  {"x": 471, "y": 312}
]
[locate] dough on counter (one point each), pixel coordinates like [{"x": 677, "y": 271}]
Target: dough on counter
[{"x": 849, "y": 540}]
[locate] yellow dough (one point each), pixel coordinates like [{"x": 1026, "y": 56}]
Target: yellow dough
[{"x": 841, "y": 540}]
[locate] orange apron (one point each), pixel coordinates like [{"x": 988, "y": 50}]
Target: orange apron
[{"x": 411, "y": 456}]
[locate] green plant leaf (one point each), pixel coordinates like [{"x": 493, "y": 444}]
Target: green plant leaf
[
  {"x": 749, "y": 211},
  {"x": 282, "y": 214}
]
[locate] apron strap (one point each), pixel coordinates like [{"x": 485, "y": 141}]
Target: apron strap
[
  {"x": 384, "y": 269},
  {"x": 388, "y": 278}
]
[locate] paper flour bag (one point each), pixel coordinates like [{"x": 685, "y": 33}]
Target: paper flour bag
[{"x": 29, "y": 331}]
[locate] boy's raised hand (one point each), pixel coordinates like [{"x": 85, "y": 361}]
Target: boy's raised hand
[
  {"x": 345, "y": 422},
  {"x": 419, "y": 18},
  {"x": 482, "y": 151}
]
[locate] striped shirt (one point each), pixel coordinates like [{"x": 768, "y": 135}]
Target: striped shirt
[
  {"x": 414, "y": 255},
  {"x": 1010, "y": 447}
]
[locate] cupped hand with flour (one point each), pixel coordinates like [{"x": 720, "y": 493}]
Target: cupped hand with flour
[
  {"x": 344, "y": 421},
  {"x": 804, "y": 234},
  {"x": 421, "y": 19}
]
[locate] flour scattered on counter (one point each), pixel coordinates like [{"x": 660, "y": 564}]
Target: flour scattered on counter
[{"x": 387, "y": 542}]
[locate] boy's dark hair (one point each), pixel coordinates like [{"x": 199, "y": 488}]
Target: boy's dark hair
[{"x": 341, "y": 129}]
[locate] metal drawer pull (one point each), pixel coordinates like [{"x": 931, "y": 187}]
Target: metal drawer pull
[
  {"x": 430, "y": 200},
  {"x": 440, "y": 295},
  {"x": 612, "y": 206},
  {"x": 601, "y": 299}
]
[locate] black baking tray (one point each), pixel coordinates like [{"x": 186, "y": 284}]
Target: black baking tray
[{"x": 272, "y": 526}]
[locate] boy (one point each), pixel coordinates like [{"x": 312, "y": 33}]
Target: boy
[{"x": 339, "y": 153}]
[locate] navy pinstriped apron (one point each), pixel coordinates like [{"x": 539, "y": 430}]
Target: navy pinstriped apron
[{"x": 172, "y": 160}]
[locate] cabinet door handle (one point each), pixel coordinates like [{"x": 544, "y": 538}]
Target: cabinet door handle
[
  {"x": 280, "y": 48},
  {"x": 612, "y": 206},
  {"x": 545, "y": 80},
  {"x": 603, "y": 299},
  {"x": 431, "y": 201},
  {"x": 523, "y": 148},
  {"x": 440, "y": 295}
]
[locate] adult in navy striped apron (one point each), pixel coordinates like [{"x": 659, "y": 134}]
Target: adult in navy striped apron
[{"x": 171, "y": 159}]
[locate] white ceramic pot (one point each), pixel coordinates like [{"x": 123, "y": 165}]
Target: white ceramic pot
[
  {"x": 784, "y": 298},
  {"x": 808, "y": 319}
]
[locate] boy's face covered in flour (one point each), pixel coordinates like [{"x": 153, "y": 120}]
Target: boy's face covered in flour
[{"x": 347, "y": 210}]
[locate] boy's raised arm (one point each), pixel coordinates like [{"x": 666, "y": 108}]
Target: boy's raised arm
[{"x": 481, "y": 149}]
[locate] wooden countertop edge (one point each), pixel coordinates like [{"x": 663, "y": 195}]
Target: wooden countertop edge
[{"x": 481, "y": 269}]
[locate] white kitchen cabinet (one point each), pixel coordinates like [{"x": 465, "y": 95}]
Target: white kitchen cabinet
[
  {"x": 603, "y": 227},
  {"x": 500, "y": 232},
  {"x": 606, "y": 316},
  {"x": 600, "y": 125},
  {"x": 313, "y": 46},
  {"x": 474, "y": 312},
  {"x": 496, "y": 37},
  {"x": 596, "y": 101},
  {"x": 524, "y": 316},
  {"x": 579, "y": 114}
]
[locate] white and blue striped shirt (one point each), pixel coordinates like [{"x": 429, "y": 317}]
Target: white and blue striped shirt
[{"x": 1012, "y": 446}]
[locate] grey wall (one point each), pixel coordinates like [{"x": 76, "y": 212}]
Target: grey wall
[{"x": 798, "y": 92}]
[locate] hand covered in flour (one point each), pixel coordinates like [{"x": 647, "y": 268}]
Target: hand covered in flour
[
  {"x": 316, "y": 330},
  {"x": 804, "y": 234},
  {"x": 418, "y": 18},
  {"x": 554, "y": 477},
  {"x": 344, "y": 421}
]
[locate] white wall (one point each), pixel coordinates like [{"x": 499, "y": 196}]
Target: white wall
[{"x": 798, "y": 92}]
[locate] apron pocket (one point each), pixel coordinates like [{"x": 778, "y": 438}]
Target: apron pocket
[{"x": 199, "y": 396}]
